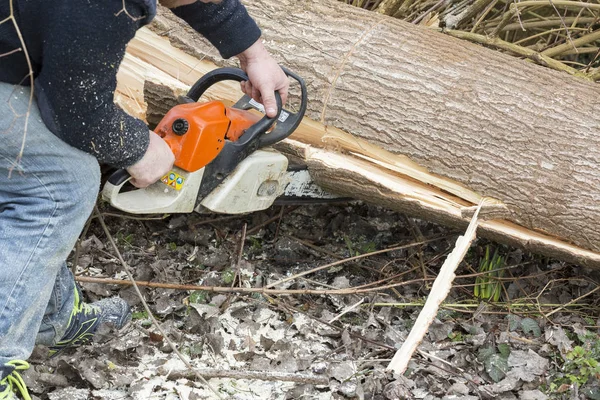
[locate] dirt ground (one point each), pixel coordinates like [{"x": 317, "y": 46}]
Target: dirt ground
[{"x": 539, "y": 339}]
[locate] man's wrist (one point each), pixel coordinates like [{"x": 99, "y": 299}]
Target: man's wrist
[{"x": 256, "y": 51}]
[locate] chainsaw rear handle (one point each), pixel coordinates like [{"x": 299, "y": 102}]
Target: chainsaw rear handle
[{"x": 119, "y": 177}]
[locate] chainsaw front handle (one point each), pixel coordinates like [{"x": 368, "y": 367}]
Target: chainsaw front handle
[{"x": 287, "y": 121}]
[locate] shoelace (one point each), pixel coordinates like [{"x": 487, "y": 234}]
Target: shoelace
[{"x": 14, "y": 381}]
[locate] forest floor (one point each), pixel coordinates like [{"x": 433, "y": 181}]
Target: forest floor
[{"x": 540, "y": 339}]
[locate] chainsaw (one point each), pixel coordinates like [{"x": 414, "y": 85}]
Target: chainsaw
[{"x": 223, "y": 162}]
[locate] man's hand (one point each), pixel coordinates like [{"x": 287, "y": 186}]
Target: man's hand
[
  {"x": 265, "y": 75},
  {"x": 157, "y": 161}
]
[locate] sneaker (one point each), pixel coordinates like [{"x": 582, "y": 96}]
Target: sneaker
[
  {"x": 12, "y": 384},
  {"x": 87, "y": 318}
]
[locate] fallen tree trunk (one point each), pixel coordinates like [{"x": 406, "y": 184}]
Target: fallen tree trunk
[{"x": 476, "y": 123}]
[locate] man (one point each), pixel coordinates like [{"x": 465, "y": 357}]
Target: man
[{"x": 48, "y": 190}]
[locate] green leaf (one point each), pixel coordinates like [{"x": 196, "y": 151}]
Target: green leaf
[
  {"x": 199, "y": 297},
  {"x": 514, "y": 322},
  {"x": 485, "y": 353},
  {"x": 139, "y": 315},
  {"x": 504, "y": 349},
  {"x": 530, "y": 325},
  {"x": 228, "y": 276},
  {"x": 496, "y": 366}
]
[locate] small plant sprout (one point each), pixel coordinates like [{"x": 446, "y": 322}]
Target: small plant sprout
[{"x": 487, "y": 285}]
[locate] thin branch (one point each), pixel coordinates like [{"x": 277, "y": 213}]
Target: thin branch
[
  {"x": 238, "y": 263},
  {"x": 11, "y": 17},
  {"x": 10, "y": 52},
  {"x": 349, "y": 259},
  {"x": 264, "y": 291},
  {"x": 255, "y": 375}
]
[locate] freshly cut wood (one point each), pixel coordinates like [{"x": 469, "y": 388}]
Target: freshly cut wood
[
  {"x": 426, "y": 129},
  {"x": 439, "y": 291}
]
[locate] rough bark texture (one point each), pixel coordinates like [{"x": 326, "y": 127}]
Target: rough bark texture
[{"x": 505, "y": 128}]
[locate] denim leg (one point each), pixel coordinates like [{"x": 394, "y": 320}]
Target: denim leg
[
  {"x": 59, "y": 308},
  {"x": 44, "y": 203}
]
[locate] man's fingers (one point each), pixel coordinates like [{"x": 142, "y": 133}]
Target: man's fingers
[
  {"x": 270, "y": 104},
  {"x": 246, "y": 88},
  {"x": 284, "y": 95}
]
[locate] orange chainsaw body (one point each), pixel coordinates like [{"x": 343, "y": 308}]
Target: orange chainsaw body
[{"x": 196, "y": 132}]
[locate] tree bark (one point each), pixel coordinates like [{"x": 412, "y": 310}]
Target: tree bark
[{"x": 450, "y": 118}]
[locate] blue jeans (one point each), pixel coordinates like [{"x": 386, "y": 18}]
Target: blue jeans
[{"x": 45, "y": 200}]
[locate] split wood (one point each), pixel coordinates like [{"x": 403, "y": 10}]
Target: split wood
[{"x": 439, "y": 291}]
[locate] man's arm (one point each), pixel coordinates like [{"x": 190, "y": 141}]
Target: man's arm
[
  {"x": 82, "y": 50},
  {"x": 227, "y": 25},
  {"x": 83, "y": 47}
]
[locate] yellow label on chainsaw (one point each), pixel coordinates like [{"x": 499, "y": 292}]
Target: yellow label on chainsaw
[{"x": 173, "y": 180}]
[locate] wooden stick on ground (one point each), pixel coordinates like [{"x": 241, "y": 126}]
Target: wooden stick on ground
[
  {"x": 439, "y": 291},
  {"x": 258, "y": 375}
]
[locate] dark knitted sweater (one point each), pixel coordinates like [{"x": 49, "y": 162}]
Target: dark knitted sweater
[{"x": 76, "y": 48}]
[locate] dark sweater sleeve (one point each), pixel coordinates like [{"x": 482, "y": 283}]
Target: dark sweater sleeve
[
  {"x": 84, "y": 44},
  {"x": 226, "y": 25}
]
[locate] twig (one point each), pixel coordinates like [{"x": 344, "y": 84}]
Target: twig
[
  {"x": 429, "y": 355},
  {"x": 349, "y": 259},
  {"x": 259, "y": 375},
  {"x": 227, "y": 289},
  {"x": 78, "y": 246},
  {"x": 133, "y": 217},
  {"x": 11, "y": 18},
  {"x": 566, "y": 3},
  {"x": 313, "y": 247},
  {"x": 272, "y": 219},
  {"x": 558, "y": 50},
  {"x": 124, "y": 10},
  {"x": 8, "y": 53},
  {"x": 239, "y": 258},
  {"x": 533, "y": 55},
  {"x": 571, "y": 302},
  {"x": 276, "y": 303},
  {"x": 347, "y": 310},
  {"x": 150, "y": 315}
]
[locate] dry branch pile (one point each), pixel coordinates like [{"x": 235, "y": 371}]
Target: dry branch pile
[{"x": 561, "y": 34}]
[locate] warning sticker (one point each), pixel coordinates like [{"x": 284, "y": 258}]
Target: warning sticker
[
  {"x": 282, "y": 117},
  {"x": 173, "y": 180}
]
